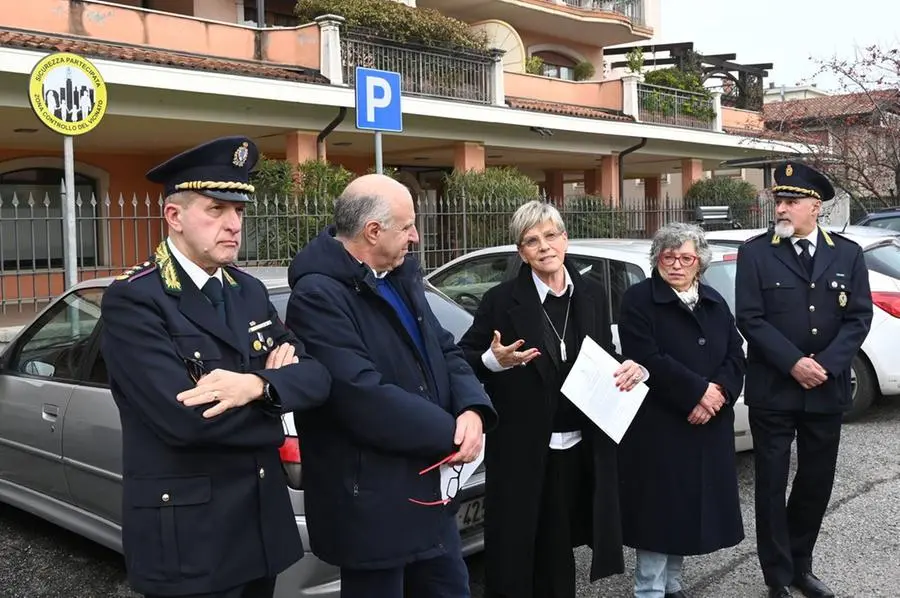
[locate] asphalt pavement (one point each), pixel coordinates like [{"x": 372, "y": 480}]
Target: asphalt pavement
[{"x": 858, "y": 553}]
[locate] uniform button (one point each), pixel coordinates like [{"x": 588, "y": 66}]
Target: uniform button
[
  {"x": 812, "y": 308},
  {"x": 262, "y": 473},
  {"x": 701, "y": 341},
  {"x": 815, "y": 331},
  {"x": 165, "y": 498},
  {"x": 196, "y": 354},
  {"x": 777, "y": 284},
  {"x": 421, "y": 389},
  {"x": 812, "y": 285}
]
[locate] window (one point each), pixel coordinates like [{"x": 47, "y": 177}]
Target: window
[
  {"x": 279, "y": 13},
  {"x": 467, "y": 282},
  {"x": 557, "y": 66},
  {"x": 31, "y": 232},
  {"x": 884, "y": 259},
  {"x": 888, "y": 223},
  {"x": 57, "y": 344}
]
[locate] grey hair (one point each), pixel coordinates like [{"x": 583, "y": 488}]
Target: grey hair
[
  {"x": 532, "y": 214},
  {"x": 676, "y": 234},
  {"x": 352, "y": 211}
]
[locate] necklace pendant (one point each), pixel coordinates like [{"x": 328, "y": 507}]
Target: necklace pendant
[{"x": 562, "y": 351}]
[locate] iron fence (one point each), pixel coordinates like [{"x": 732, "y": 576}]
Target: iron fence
[
  {"x": 633, "y": 9},
  {"x": 456, "y": 74},
  {"x": 675, "y": 108},
  {"x": 115, "y": 233}
]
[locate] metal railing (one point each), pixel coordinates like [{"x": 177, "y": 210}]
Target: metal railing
[
  {"x": 456, "y": 74},
  {"x": 633, "y": 9},
  {"x": 675, "y": 108},
  {"x": 115, "y": 233}
]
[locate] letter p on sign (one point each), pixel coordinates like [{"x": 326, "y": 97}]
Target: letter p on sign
[{"x": 378, "y": 100}]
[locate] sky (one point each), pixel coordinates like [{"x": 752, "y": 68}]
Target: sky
[{"x": 786, "y": 33}]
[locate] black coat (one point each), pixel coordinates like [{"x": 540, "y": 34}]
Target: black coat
[
  {"x": 526, "y": 400},
  {"x": 390, "y": 415},
  {"x": 785, "y": 314},
  {"x": 679, "y": 488},
  {"x": 205, "y": 504}
]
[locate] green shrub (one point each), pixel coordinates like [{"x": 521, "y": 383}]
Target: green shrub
[
  {"x": 388, "y": 18},
  {"x": 292, "y": 205},
  {"x": 634, "y": 60},
  {"x": 696, "y": 106},
  {"x": 584, "y": 70},
  {"x": 534, "y": 65},
  {"x": 488, "y": 199},
  {"x": 741, "y": 196},
  {"x": 592, "y": 217}
]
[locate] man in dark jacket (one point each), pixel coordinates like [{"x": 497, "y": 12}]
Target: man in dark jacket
[
  {"x": 403, "y": 398},
  {"x": 201, "y": 369},
  {"x": 804, "y": 306}
]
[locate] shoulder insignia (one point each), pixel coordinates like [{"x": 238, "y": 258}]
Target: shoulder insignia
[
  {"x": 167, "y": 271},
  {"x": 136, "y": 271},
  {"x": 827, "y": 236}
]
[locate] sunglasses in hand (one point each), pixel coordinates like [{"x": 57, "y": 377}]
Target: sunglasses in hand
[{"x": 452, "y": 483}]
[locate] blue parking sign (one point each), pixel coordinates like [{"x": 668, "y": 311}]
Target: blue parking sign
[{"x": 378, "y": 100}]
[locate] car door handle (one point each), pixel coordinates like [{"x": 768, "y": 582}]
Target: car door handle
[{"x": 49, "y": 412}]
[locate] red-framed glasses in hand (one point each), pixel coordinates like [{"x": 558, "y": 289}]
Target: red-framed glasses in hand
[{"x": 452, "y": 484}]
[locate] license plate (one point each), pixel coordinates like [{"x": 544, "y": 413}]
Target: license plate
[{"x": 470, "y": 514}]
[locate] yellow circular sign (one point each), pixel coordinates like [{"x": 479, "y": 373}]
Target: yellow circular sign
[{"x": 67, "y": 93}]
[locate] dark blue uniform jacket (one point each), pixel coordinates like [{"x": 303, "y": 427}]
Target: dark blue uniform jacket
[
  {"x": 205, "y": 503},
  {"x": 392, "y": 412},
  {"x": 785, "y": 314}
]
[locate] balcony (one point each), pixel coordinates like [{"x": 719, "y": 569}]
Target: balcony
[
  {"x": 633, "y": 10},
  {"x": 675, "y": 108},
  {"x": 596, "y": 23},
  {"x": 425, "y": 70}
]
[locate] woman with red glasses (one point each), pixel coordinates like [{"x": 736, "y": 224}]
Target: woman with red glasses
[{"x": 678, "y": 479}]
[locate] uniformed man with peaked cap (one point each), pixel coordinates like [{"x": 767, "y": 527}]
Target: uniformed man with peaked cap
[
  {"x": 201, "y": 369},
  {"x": 803, "y": 305}
]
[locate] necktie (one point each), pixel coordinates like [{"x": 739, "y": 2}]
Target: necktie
[
  {"x": 805, "y": 256},
  {"x": 213, "y": 291}
]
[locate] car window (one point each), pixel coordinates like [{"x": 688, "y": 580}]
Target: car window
[
  {"x": 57, "y": 345},
  {"x": 596, "y": 269},
  {"x": 888, "y": 223},
  {"x": 468, "y": 281},
  {"x": 722, "y": 276},
  {"x": 884, "y": 259},
  {"x": 621, "y": 276}
]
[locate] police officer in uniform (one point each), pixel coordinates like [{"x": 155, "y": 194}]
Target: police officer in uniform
[
  {"x": 201, "y": 369},
  {"x": 803, "y": 305}
]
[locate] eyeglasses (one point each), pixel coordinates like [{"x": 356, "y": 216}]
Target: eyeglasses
[
  {"x": 534, "y": 242},
  {"x": 196, "y": 369},
  {"x": 452, "y": 484},
  {"x": 685, "y": 260}
]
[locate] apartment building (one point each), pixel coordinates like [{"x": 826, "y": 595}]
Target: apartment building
[{"x": 182, "y": 71}]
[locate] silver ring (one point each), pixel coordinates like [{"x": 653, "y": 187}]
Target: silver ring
[{"x": 522, "y": 364}]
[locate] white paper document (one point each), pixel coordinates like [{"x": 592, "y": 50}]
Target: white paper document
[
  {"x": 591, "y": 386},
  {"x": 453, "y": 478}
]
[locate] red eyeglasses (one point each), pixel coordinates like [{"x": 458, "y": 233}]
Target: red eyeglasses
[{"x": 452, "y": 483}]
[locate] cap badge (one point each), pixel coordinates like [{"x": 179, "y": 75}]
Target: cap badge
[
  {"x": 240, "y": 155},
  {"x": 789, "y": 171}
]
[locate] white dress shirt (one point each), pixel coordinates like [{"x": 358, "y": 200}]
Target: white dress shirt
[
  {"x": 197, "y": 274},
  {"x": 811, "y": 237},
  {"x": 558, "y": 440}
]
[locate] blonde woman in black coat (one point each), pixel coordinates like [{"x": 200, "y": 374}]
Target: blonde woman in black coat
[{"x": 553, "y": 477}]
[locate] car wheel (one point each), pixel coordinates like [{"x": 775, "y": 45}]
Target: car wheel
[{"x": 863, "y": 390}]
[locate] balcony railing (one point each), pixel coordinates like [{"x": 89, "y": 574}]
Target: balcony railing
[
  {"x": 456, "y": 74},
  {"x": 633, "y": 9},
  {"x": 675, "y": 108}
]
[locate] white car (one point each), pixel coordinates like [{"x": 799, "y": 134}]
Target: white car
[
  {"x": 876, "y": 368},
  {"x": 616, "y": 263}
]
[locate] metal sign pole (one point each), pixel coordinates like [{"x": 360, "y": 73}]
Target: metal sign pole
[
  {"x": 379, "y": 168},
  {"x": 70, "y": 245}
]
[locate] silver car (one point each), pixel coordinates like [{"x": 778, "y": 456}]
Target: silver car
[{"x": 60, "y": 436}]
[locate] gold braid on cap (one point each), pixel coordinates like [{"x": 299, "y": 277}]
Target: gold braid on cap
[
  {"x": 808, "y": 192},
  {"x": 215, "y": 185}
]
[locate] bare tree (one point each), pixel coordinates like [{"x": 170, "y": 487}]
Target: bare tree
[{"x": 854, "y": 136}]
